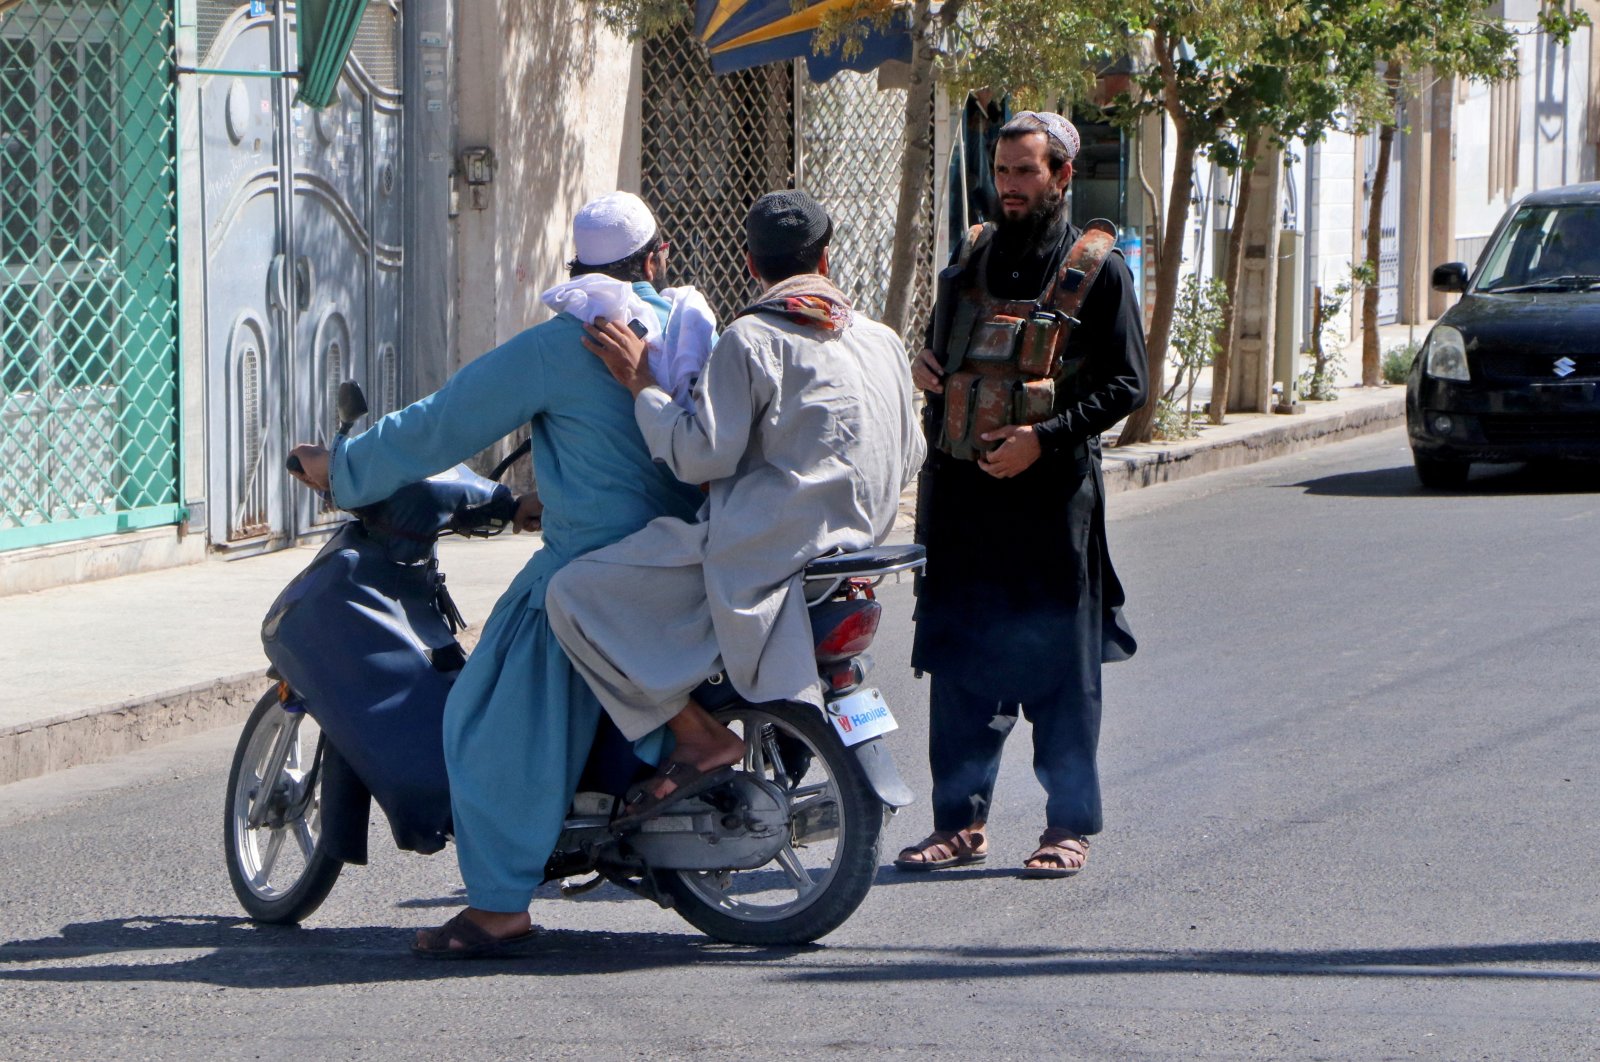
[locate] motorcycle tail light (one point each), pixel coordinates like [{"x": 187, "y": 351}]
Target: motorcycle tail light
[
  {"x": 851, "y": 634},
  {"x": 844, "y": 677}
]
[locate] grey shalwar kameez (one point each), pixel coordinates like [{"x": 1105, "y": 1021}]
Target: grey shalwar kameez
[{"x": 806, "y": 437}]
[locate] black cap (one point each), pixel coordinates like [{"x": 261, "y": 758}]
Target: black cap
[{"x": 784, "y": 223}]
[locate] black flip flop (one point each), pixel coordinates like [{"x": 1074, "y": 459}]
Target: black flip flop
[
  {"x": 689, "y": 780},
  {"x": 476, "y": 942}
]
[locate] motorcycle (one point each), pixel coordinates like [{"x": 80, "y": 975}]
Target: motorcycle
[{"x": 363, "y": 650}]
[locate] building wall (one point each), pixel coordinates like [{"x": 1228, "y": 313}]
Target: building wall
[
  {"x": 1335, "y": 220},
  {"x": 556, "y": 96},
  {"x": 1554, "y": 133}
]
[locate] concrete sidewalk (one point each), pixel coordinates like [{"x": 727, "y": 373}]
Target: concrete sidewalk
[{"x": 99, "y": 669}]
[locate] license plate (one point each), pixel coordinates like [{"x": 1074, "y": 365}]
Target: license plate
[{"x": 861, "y": 716}]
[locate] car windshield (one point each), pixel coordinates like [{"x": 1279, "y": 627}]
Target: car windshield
[{"x": 1545, "y": 248}]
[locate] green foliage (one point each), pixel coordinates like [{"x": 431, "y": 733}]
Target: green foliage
[
  {"x": 1322, "y": 386},
  {"x": 640, "y": 19},
  {"x": 1397, "y": 362},
  {"x": 1196, "y": 324},
  {"x": 1172, "y": 422},
  {"x": 1294, "y": 68},
  {"x": 1319, "y": 382}
]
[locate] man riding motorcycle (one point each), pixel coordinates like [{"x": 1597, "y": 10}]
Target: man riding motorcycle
[{"x": 519, "y": 722}]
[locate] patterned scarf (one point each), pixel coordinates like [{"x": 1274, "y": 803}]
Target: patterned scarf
[{"x": 807, "y": 299}]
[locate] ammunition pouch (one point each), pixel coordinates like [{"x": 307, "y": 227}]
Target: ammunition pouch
[
  {"x": 1008, "y": 362},
  {"x": 975, "y": 404}
]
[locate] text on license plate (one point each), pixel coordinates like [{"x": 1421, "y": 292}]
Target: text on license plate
[{"x": 861, "y": 716}]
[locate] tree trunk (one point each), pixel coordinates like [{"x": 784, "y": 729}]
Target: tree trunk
[
  {"x": 1318, "y": 357},
  {"x": 916, "y": 168},
  {"x": 1227, "y": 333},
  {"x": 1141, "y": 421},
  {"x": 1369, "y": 293}
]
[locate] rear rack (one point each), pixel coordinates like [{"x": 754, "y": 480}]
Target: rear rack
[{"x": 875, "y": 565}]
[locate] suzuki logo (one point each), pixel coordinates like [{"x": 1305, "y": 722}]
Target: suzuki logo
[{"x": 1566, "y": 367}]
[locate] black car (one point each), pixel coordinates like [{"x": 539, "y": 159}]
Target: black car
[{"x": 1511, "y": 372}]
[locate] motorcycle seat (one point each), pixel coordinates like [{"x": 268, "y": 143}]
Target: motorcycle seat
[{"x": 881, "y": 560}]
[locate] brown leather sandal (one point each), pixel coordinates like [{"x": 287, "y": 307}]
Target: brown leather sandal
[
  {"x": 946, "y": 848},
  {"x": 462, "y": 938},
  {"x": 1067, "y": 851}
]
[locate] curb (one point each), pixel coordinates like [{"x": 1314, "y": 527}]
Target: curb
[
  {"x": 29, "y": 750},
  {"x": 33, "y": 749},
  {"x": 1148, "y": 464}
]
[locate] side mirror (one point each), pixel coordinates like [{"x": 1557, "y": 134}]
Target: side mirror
[
  {"x": 352, "y": 405},
  {"x": 1451, "y": 277}
]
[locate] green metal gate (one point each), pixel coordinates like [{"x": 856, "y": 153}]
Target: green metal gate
[{"x": 88, "y": 270}]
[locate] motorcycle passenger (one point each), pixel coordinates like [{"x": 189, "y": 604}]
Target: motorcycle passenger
[
  {"x": 519, "y": 722},
  {"x": 804, "y": 431}
]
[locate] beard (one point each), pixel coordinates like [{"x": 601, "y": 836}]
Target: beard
[{"x": 1036, "y": 223}]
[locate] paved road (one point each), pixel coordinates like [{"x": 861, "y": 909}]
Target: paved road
[{"x": 1351, "y": 782}]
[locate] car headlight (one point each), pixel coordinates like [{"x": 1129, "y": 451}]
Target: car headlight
[{"x": 1446, "y": 354}]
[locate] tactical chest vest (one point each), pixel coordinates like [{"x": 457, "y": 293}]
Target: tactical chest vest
[{"x": 1008, "y": 362}]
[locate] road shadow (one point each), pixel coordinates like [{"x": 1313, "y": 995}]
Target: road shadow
[
  {"x": 233, "y": 952},
  {"x": 893, "y": 875},
  {"x": 237, "y": 953},
  {"x": 1486, "y": 481},
  {"x": 603, "y": 892},
  {"x": 1465, "y": 962},
  {"x": 455, "y": 899}
]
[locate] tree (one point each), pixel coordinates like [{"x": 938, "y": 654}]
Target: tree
[
  {"x": 916, "y": 154},
  {"x": 1296, "y": 88},
  {"x": 1399, "y": 39},
  {"x": 1190, "y": 59}
]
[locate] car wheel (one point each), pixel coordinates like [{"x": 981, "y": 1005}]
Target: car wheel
[{"x": 1441, "y": 473}]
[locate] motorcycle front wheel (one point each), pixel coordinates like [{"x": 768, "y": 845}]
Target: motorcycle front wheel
[
  {"x": 272, "y": 837},
  {"x": 821, "y": 876}
]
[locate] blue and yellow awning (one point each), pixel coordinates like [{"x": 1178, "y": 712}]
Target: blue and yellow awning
[{"x": 746, "y": 33}]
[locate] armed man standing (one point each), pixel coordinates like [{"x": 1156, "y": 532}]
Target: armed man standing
[{"x": 1036, "y": 347}]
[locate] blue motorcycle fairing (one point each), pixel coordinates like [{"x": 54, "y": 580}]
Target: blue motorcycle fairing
[
  {"x": 411, "y": 519},
  {"x": 360, "y": 639}
]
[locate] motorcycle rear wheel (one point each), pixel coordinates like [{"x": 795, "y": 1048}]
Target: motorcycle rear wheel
[
  {"x": 836, "y": 827},
  {"x": 272, "y": 838}
]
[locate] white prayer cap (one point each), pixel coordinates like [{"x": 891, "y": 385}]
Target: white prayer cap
[
  {"x": 1050, "y": 124},
  {"x": 612, "y": 227}
]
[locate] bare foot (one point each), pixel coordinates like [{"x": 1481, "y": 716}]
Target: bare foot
[
  {"x": 701, "y": 742},
  {"x": 498, "y": 924}
]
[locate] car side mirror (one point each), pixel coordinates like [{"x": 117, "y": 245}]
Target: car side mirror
[{"x": 1452, "y": 277}]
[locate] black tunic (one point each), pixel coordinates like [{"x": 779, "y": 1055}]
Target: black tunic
[{"x": 1019, "y": 597}]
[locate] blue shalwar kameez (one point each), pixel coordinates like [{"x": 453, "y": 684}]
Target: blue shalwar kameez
[{"x": 519, "y": 721}]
